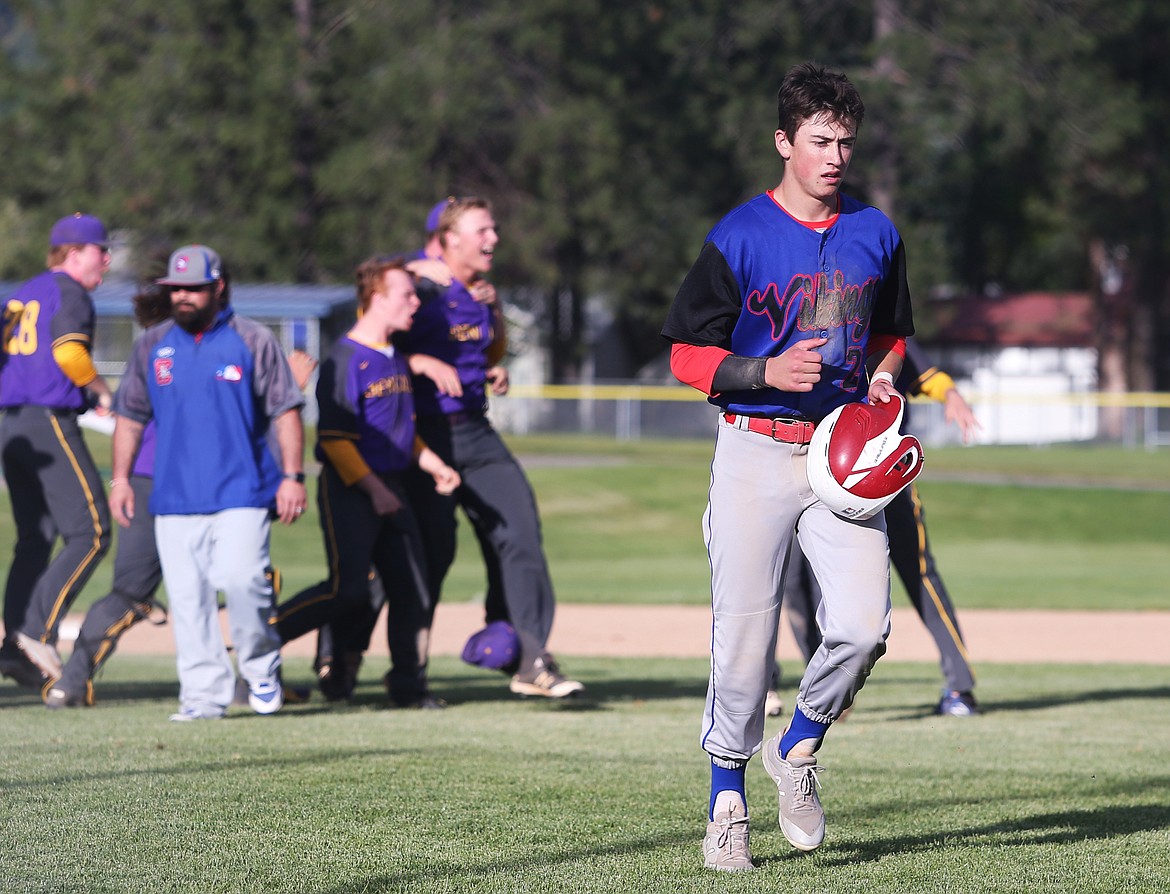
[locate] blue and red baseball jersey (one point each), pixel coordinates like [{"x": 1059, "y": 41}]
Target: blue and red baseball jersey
[
  {"x": 49, "y": 309},
  {"x": 764, "y": 281},
  {"x": 364, "y": 397},
  {"x": 455, "y": 328},
  {"x": 212, "y": 397}
]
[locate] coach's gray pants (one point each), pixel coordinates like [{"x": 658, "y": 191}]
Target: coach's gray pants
[
  {"x": 759, "y": 500},
  {"x": 203, "y": 554}
]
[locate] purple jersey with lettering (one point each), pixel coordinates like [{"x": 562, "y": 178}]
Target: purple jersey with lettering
[
  {"x": 765, "y": 281},
  {"x": 455, "y": 328},
  {"x": 364, "y": 396},
  {"x": 48, "y": 310}
]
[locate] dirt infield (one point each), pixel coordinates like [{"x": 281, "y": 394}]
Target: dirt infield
[{"x": 684, "y": 631}]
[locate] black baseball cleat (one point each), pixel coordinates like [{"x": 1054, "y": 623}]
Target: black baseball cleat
[
  {"x": 297, "y": 695},
  {"x": 337, "y": 680},
  {"x": 413, "y": 698},
  {"x": 424, "y": 702}
]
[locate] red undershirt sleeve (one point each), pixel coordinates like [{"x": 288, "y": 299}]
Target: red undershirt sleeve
[
  {"x": 882, "y": 343},
  {"x": 695, "y": 366}
]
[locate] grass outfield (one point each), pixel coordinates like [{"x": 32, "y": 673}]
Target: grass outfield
[
  {"x": 1072, "y": 527},
  {"x": 1061, "y": 786}
]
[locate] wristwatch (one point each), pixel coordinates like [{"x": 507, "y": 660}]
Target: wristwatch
[{"x": 298, "y": 477}]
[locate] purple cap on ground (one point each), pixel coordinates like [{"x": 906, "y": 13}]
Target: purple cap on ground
[{"x": 495, "y": 646}]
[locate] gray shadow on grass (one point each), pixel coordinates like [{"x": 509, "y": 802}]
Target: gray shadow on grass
[
  {"x": 1095, "y": 696},
  {"x": 265, "y": 763},
  {"x": 1065, "y": 828},
  {"x": 477, "y": 689},
  {"x": 1043, "y": 702},
  {"x": 479, "y": 876}
]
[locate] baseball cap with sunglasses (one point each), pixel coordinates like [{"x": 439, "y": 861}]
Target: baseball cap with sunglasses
[{"x": 193, "y": 265}]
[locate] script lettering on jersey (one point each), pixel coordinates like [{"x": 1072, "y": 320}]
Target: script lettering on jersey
[
  {"x": 817, "y": 304},
  {"x": 466, "y": 332},
  {"x": 388, "y": 385}
]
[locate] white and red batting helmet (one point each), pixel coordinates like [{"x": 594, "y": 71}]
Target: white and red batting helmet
[{"x": 857, "y": 459}]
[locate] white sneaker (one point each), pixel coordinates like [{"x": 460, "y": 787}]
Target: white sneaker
[
  {"x": 43, "y": 655},
  {"x": 266, "y": 698},
  {"x": 726, "y": 846},
  {"x": 544, "y": 678},
  {"x": 802, "y": 820}
]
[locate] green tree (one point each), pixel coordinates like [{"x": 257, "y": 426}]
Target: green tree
[
  {"x": 169, "y": 119},
  {"x": 1017, "y": 143},
  {"x": 1025, "y": 127}
]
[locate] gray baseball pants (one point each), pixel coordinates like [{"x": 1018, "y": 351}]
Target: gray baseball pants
[
  {"x": 759, "y": 500},
  {"x": 137, "y": 574},
  {"x": 202, "y": 554}
]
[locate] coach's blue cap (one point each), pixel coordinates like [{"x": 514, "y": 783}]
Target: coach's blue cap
[
  {"x": 495, "y": 647},
  {"x": 436, "y": 213},
  {"x": 79, "y": 229},
  {"x": 192, "y": 265}
]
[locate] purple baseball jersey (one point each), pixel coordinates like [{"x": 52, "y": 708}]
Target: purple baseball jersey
[
  {"x": 364, "y": 396},
  {"x": 49, "y": 309},
  {"x": 455, "y": 328}
]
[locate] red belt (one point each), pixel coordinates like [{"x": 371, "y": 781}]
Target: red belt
[{"x": 790, "y": 431}]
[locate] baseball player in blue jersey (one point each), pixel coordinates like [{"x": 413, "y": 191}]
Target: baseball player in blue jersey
[
  {"x": 796, "y": 305},
  {"x": 215, "y": 384},
  {"x": 47, "y": 378},
  {"x": 366, "y": 442}
]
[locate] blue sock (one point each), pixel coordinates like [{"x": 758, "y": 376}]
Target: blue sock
[
  {"x": 799, "y": 729},
  {"x": 725, "y": 780}
]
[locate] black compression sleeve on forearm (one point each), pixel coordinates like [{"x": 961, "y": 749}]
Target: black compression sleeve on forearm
[{"x": 739, "y": 374}]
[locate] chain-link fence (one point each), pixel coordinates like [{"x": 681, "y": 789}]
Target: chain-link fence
[{"x": 631, "y": 412}]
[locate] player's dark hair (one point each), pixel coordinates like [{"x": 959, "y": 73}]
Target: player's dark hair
[
  {"x": 455, "y": 209},
  {"x": 809, "y": 90},
  {"x": 152, "y": 304},
  {"x": 369, "y": 275},
  {"x": 225, "y": 278}
]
